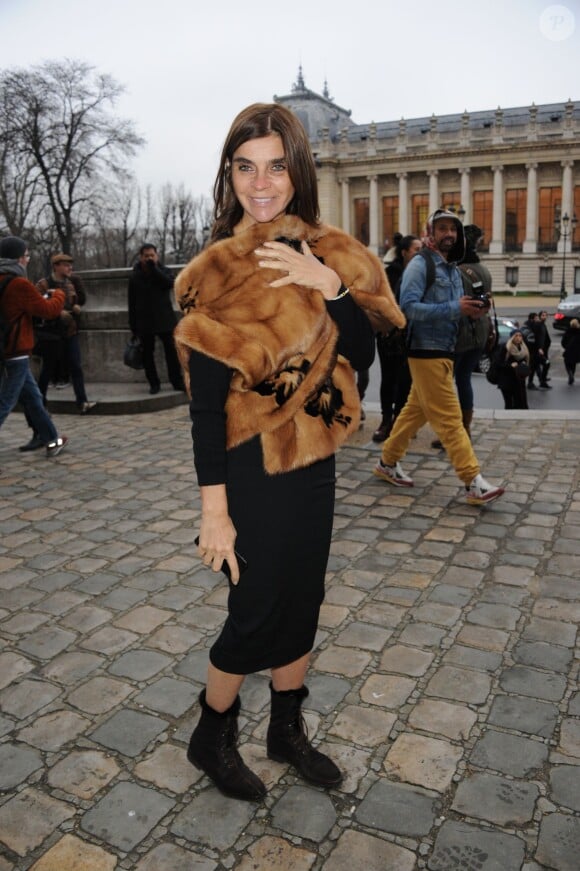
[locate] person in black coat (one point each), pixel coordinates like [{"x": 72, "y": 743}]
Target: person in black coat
[
  {"x": 531, "y": 333},
  {"x": 543, "y": 351},
  {"x": 151, "y": 314},
  {"x": 571, "y": 345},
  {"x": 514, "y": 368},
  {"x": 395, "y": 375}
]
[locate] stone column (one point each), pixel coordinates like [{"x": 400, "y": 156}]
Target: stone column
[
  {"x": 496, "y": 244},
  {"x": 403, "y": 203},
  {"x": 567, "y": 200},
  {"x": 373, "y": 214},
  {"x": 345, "y": 205},
  {"x": 433, "y": 190},
  {"x": 530, "y": 245},
  {"x": 466, "y": 194}
]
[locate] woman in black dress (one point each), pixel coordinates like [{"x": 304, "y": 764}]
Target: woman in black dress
[
  {"x": 514, "y": 368},
  {"x": 270, "y": 337}
]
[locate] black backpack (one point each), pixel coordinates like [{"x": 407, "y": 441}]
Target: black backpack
[
  {"x": 6, "y": 326},
  {"x": 495, "y": 364}
]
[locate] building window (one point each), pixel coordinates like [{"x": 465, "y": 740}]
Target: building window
[
  {"x": 577, "y": 279},
  {"x": 451, "y": 201},
  {"x": 512, "y": 275},
  {"x": 550, "y": 205},
  {"x": 420, "y": 212},
  {"x": 361, "y": 220},
  {"x": 515, "y": 218},
  {"x": 546, "y": 275},
  {"x": 390, "y": 219},
  {"x": 483, "y": 215}
]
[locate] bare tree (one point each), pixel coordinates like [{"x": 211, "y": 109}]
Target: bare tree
[
  {"x": 117, "y": 222},
  {"x": 182, "y": 218},
  {"x": 56, "y": 120}
]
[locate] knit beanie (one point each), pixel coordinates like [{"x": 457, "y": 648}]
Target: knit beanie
[{"x": 12, "y": 248}]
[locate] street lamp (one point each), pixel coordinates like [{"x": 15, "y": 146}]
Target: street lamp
[{"x": 565, "y": 230}]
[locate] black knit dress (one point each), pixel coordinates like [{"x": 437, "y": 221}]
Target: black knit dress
[{"x": 283, "y": 522}]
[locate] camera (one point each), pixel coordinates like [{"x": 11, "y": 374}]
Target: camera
[
  {"x": 480, "y": 295},
  {"x": 482, "y": 298}
]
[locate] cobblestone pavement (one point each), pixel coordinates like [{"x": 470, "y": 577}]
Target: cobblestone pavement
[{"x": 444, "y": 680}]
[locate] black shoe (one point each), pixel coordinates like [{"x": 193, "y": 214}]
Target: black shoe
[
  {"x": 212, "y": 748},
  {"x": 532, "y": 387},
  {"x": 33, "y": 445},
  {"x": 545, "y": 386},
  {"x": 287, "y": 740},
  {"x": 381, "y": 433},
  {"x": 155, "y": 388}
]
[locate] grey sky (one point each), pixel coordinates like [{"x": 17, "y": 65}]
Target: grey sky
[{"x": 190, "y": 67}]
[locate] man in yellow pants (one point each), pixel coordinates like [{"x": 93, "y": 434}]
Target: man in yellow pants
[{"x": 433, "y": 309}]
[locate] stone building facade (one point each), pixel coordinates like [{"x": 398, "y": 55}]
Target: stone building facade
[{"x": 514, "y": 172}]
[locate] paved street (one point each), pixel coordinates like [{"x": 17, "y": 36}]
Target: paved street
[{"x": 444, "y": 681}]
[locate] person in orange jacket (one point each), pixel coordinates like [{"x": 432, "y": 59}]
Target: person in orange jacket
[{"x": 20, "y": 301}]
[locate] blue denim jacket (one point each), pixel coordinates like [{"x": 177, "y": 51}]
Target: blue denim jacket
[{"x": 434, "y": 319}]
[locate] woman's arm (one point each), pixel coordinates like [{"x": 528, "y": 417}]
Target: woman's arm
[{"x": 209, "y": 380}]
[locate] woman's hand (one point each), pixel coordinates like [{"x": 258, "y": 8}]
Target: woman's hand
[
  {"x": 303, "y": 268},
  {"x": 217, "y": 535}
]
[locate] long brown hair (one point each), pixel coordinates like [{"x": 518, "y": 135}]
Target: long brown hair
[{"x": 255, "y": 122}]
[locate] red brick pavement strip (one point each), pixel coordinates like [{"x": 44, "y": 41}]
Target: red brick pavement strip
[{"x": 444, "y": 680}]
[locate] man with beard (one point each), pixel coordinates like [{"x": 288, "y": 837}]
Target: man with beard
[{"x": 433, "y": 305}]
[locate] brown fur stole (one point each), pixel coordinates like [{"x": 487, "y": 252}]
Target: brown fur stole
[{"x": 289, "y": 385}]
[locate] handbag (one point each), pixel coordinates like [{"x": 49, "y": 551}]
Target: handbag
[
  {"x": 133, "y": 355},
  {"x": 522, "y": 369}
]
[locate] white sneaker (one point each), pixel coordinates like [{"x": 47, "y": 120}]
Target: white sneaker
[
  {"x": 480, "y": 492},
  {"x": 53, "y": 449},
  {"x": 392, "y": 474}
]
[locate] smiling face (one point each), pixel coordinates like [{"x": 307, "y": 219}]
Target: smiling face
[
  {"x": 260, "y": 180},
  {"x": 444, "y": 235}
]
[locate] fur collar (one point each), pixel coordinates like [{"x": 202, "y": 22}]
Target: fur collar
[{"x": 288, "y": 384}]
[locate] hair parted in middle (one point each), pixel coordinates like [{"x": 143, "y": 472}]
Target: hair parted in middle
[{"x": 255, "y": 122}]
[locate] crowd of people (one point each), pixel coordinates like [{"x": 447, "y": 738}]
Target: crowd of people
[{"x": 44, "y": 321}]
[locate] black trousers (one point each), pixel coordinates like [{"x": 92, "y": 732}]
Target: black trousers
[{"x": 171, "y": 359}]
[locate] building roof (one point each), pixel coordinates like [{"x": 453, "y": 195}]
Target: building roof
[
  {"x": 315, "y": 111},
  {"x": 319, "y": 112}
]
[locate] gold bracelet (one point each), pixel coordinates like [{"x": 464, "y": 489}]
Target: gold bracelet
[{"x": 339, "y": 295}]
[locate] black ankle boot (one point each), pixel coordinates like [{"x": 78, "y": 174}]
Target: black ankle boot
[
  {"x": 212, "y": 748},
  {"x": 288, "y": 742}
]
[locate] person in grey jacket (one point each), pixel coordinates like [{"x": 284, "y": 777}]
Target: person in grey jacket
[
  {"x": 433, "y": 310},
  {"x": 151, "y": 314}
]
